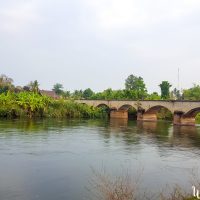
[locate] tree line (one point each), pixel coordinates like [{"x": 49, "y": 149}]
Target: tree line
[{"x": 135, "y": 89}]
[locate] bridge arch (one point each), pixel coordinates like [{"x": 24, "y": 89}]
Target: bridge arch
[
  {"x": 160, "y": 112},
  {"x": 192, "y": 113},
  {"x": 156, "y": 109},
  {"x": 105, "y": 107},
  {"x": 132, "y": 111},
  {"x": 102, "y": 105},
  {"x": 126, "y": 107}
]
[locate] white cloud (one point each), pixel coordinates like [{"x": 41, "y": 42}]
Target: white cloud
[
  {"x": 17, "y": 16},
  {"x": 114, "y": 14}
]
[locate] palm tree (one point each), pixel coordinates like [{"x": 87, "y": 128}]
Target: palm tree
[{"x": 165, "y": 87}]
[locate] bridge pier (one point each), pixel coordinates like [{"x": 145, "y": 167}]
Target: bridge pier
[
  {"x": 122, "y": 114},
  {"x": 180, "y": 119},
  {"x": 148, "y": 117},
  {"x": 177, "y": 118},
  {"x": 142, "y": 116},
  {"x": 118, "y": 114}
]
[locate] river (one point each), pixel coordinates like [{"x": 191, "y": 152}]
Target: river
[{"x": 56, "y": 159}]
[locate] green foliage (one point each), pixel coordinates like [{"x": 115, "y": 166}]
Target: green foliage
[
  {"x": 165, "y": 86},
  {"x": 136, "y": 84},
  {"x": 87, "y": 93},
  {"x": 30, "y": 104},
  {"x": 58, "y": 88},
  {"x": 164, "y": 114},
  {"x": 135, "y": 89},
  {"x": 77, "y": 94},
  {"x": 153, "y": 96},
  {"x": 198, "y": 118},
  {"x": 8, "y": 106},
  {"x": 130, "y": 95},
  {"x": 192, "y": 93},
  {"x": 66, "y": 94},
  {"x": 110, "y": 94},
  {"x": 69, "y": 109}
]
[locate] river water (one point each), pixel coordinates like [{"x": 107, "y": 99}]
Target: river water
[{"x": 56, "y": 160}]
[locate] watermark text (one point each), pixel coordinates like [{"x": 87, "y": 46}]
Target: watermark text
[{"x": 196, "y": 192}]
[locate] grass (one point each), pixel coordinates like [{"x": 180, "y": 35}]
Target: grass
[{"x": 103, "y": 186}]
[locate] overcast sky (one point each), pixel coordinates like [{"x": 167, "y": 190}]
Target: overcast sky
[{"x": 98, "y": 43}]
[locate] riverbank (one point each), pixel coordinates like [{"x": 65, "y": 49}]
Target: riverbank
[{"x": 33, "y": 105}]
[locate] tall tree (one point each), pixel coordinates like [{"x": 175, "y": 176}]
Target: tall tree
[
  {"x": 58, "y": 88},
  {"x": 136, "y": 84},
  {"x": 87, "y": 93},
  {"x": 165, "y": 87}
]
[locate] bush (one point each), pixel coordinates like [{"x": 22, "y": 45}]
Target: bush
[{"x": 29, "y": 104}]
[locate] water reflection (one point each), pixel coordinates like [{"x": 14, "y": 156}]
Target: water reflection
[
  {"x": 186, "y": 136},
  {"x": 118, "y": 123},
  {"x": 160, "y": 131},
  {"x": 40, "y": 154},
  {"x": 131, "y": 132}
]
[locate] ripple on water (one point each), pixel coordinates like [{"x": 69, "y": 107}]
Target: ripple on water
[{"x": 48, "y": 157}]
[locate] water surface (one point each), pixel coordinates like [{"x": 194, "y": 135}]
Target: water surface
[{"x": 53, "y": 160}]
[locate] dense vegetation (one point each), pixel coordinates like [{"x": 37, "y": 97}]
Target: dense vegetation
[
  {"x": 30, "y": 104},
  {"x": 27, "y": 101}
]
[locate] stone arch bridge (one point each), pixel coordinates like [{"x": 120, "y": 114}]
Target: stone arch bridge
[{"x": 184, "y": 112}]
